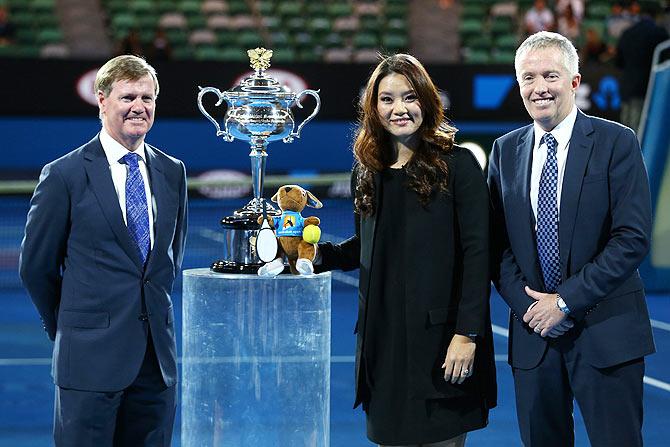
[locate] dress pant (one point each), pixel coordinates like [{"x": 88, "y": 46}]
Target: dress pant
[
  {"x": 141, "y": 415},
  {"x": 610, "y": 399}
]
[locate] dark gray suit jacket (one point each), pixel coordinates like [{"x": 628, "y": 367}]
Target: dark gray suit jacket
[{"x": 84, "y": 274}]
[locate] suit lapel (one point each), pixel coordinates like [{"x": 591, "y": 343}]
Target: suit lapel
[
  {"x": 97, "y": 169},
  {"x": 158, "y": 190},
  {"x": 521, "y": 216},
  {"x": 579, "y": 153}
]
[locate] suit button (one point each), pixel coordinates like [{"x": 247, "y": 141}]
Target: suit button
[{"x": 146, "y": 281}]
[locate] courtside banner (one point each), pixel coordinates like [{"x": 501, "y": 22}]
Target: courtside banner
[{"x": 49, "y": 87}]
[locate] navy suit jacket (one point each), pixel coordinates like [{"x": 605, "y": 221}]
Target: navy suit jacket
[
  {"x": 83, "y": 270},
  {"x": 604, "y": 234}
]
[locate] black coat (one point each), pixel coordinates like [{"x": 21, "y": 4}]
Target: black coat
[{"x": 448, "y": 285}]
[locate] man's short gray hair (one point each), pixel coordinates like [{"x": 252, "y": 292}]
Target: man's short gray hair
[{"x": 546, "y": 39}]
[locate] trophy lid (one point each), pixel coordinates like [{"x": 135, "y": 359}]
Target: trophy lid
[{"x": 259, "y": 83}]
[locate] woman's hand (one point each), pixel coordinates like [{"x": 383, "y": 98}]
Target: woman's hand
[{"x": 460, "y": 359}]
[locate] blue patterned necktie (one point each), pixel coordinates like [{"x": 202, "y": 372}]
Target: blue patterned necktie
[
  {"x": 137, "y": 214},
  {"x": 547, "y": 218}
]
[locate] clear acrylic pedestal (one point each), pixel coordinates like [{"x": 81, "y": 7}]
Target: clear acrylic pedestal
[{"x": 255, "y": 360}]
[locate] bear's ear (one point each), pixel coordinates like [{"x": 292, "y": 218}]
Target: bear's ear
[{"x": 312, "y": 201}]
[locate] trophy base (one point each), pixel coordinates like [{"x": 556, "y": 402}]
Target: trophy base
[{"x": 222, "y": 266}]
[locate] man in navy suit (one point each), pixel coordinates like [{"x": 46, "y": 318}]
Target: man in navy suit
[
  {"x": 572, "y": 222},
  {"x": 103, "y": 243}
]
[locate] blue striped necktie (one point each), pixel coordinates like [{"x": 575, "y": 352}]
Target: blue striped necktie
[
  {"x": 137, "y": 213},
  {"x": 547, "y": 218}
]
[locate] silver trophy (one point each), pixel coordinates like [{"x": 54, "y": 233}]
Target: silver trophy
[{"x": 259, "y": 111}]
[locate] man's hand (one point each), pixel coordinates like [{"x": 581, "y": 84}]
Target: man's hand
[
  {"x": 543, "y": 315},
  {"x": 460, "y": 359},
  {"x": 561, "y": 329}
]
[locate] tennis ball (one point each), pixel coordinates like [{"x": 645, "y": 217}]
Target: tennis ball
[{"x": 311, "y": 234}]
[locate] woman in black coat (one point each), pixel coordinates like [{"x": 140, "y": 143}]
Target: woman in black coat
[{"x": 425, "y": 372}]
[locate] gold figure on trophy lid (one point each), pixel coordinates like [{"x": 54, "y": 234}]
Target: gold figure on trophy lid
[{"x": 260, "y": 58}]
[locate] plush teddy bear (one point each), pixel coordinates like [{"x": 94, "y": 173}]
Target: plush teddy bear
[{"x": 289, "y": 227}]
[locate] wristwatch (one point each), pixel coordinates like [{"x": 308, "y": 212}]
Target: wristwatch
[{"x": 561, "y": 305}]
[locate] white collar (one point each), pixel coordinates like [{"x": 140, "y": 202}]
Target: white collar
[
  {"x": 114, "y": 150},
  {"x": 562, "y": 132}
]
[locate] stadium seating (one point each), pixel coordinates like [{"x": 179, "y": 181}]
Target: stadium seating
[{"x": 297, "y": 30}]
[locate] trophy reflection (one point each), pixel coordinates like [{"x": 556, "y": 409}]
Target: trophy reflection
[{"x": 259, "y": 111}]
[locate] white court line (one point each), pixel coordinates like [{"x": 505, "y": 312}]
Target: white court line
[
  {"x": 657, "y": 383},
  {"x": 660, "y": 325},
  {"x": 499, "y": 330},
  {"x": 26, "y": 362},
  {"x": 218, "y": 360}
]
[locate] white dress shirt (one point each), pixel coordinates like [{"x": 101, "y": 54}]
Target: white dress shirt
[
  {"x": 562, "y": 133},
  {"x": 114, "y": 151}
]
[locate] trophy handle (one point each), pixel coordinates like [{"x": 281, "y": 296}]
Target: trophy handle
[
  {"x": 219, "y": 133},
  {"x": 315, "y": 94}
]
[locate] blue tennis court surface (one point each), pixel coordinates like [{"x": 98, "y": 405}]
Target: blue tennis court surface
[{"x": 26, "y": 389}]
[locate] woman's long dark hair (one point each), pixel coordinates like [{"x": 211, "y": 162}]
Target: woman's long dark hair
[{"x": 427, "y": 169}]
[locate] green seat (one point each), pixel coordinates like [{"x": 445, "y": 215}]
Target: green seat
[
  {"x": 303, "y": 40},
  {"x": 238, "y": 7},
  {"x": 396, "y": 10},
  {"x": 314, "y": 9},
  {"x": 141, "y": 6},
  {"x": 310, "y": 55},
  {"x": 319, "y": 25},
  {"x": 249, "y": 39},
  {"x": 365, "y": 40},
  {"x": 123, "y": 21},
  {"x": 339, "y": 9},
  {"x": 189, "y": 7},
  {"x": 479, "y": 42},
  {"x": 196, "y": 21},
  {"x": 45, "y": 20},
  {"x": 49, "y": 35},
  {"x": 226, "y": 37},
  {"x": 395, "y": 42},
  {"x": 289, "y": 9},
  {"x": 285, "y": 54},
  {"x": 183, "y": 52},
  {"x": 397, "y": 24},
  {"x": 280, "y": 39},
  {"x": 208, "y": 52},
  {"x": 177, "y": 36},
  {"x": 473, "y": 11},
  {"x": 148, "y": 20},
  {"x": 295, "y": 24},
  {"x": 332, "y": 40},
  {"x": 26, "y": 35},
  {"x": 477, "y": 56},
  {"x": 234, "y": 54},
  {"x": 500, "y": 26},
  {"x": 20, "y": 51},
  {"x": 43, "y": 5},
  {"x": 370, "y": 23},
  {"x": 507, "y": 42},
  {"x": 470, "y": 27},
  {"x": 265, "y": 8},
  {"x": 502, "y": 57}
]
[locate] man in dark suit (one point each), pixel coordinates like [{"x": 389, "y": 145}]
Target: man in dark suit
[
  {"x": 634, "y": 55},
  {"x": 572, "y": 223},
  {"x": 103, "y": 243}
]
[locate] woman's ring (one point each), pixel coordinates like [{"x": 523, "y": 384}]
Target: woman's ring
[{"x": 466, "y": 372}]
